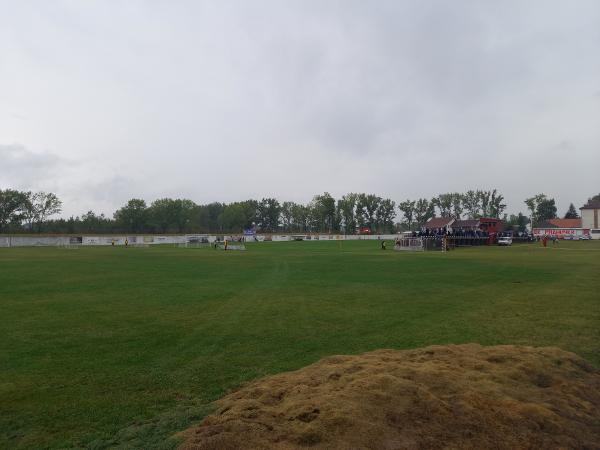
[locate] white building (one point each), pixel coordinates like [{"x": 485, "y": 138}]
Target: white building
[{"x": 590, "y": 218}]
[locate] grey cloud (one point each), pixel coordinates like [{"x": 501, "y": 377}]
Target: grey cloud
[
  {"x": 76, "y": 182},
  {"x": 225, "y": 100},
  {"x": 22, "y": 167}
]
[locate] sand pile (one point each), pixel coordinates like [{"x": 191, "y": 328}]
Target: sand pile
[{"x": 455, "y": 397}]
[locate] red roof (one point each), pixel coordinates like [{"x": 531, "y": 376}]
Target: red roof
[
  {"x": 565, "y": 223},
  {"x": 439, "y": 222}
]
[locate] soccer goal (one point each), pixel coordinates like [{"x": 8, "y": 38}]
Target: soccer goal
[
  {"x": 196, "y": 241},
  {"x": 421, "y": 244},
  {"x": 72, "y": 243},
  {"x": 227, "y": 245},
  {"x": 411, "y": 244}
]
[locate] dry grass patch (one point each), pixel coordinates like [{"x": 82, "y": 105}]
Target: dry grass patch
[{"x": 456, "y": 396}]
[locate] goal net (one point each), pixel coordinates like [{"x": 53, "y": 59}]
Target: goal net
[
  {"x": 72, "y": 243},
  {"x": 196, "y": 241},
  {"x": 421, "y": 244},
  {"x": 409, "y": 244},
  {"x": 232, "y": 245}
]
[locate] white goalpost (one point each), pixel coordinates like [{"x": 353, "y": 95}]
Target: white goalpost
[
  {"x": 421, "y": 244},
  {"x": 409, "y": 244},
  {"x": 232, "y": 243},
  {"x": 196, "y": 241},
  {"x": 72, "y": 243},
  {"x": 232, "y": 246}
]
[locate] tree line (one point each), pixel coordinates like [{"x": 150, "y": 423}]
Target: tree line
[
  {"x": 27, "y": 210},
  {"x": 22, "y": 212}
]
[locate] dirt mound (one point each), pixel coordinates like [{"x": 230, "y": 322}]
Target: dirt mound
[{"x": 453, "y": 397}]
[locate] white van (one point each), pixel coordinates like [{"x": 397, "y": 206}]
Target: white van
[{"x": 505, "y": 240}]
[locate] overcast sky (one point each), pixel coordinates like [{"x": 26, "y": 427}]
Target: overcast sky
[{"x": 102, "y": 101}]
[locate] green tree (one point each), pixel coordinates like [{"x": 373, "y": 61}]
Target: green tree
[
  {"x": 443, "y": 202},
  {"x": 324, "y": 213},
  {"x": 424, "y": 210},
  {"x": 200, "y": 219},
  {"x": 299, "y": 217},
  {"x": 183, "y": 216},
  {"x": 407, "y": 208},
  {"x": 28, "y": 211},
  {"x": 385, "y": 214},
  {"x": 251, "y": 213},
  {"x": 457, "y": 205},
  {"x": 213, "y": 212},
  {"x": 131, "y": 218},
  {"x": 546, "y": 210},
  {"x": 496, "y": 207},
  {"x": 92, "y": 223},
  {"x": 541, "y": 208},
  {"x": 366, "y": 210},
  {"x": 471, "y": 204},
  {"x": 44, "y": 204},
  {"x": 346, "y": 211},
  {"x": 517, "y": 223},
  {"x": 233, "y": 218},
  {"x": 172, "y": 215},
  {"x": 287, "y": 216},
  {"x": 485, "y": 198},
  {"x": 12, "y": 204},
  {"x": 572, "y": 212},
  {"x": 238, "y": 216},
  {"x": 268, "y": 212},
  {"x": 532, "y": 203}
]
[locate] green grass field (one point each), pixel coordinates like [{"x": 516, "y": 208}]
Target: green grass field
[{"x": 124, "y": 347}]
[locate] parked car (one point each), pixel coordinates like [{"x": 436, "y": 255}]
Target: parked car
[
  {"x": 505, "y": 240},
  {"x": 585, "y": 237}
]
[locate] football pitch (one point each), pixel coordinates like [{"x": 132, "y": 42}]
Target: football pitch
[{"x": 124, "y": 347}]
